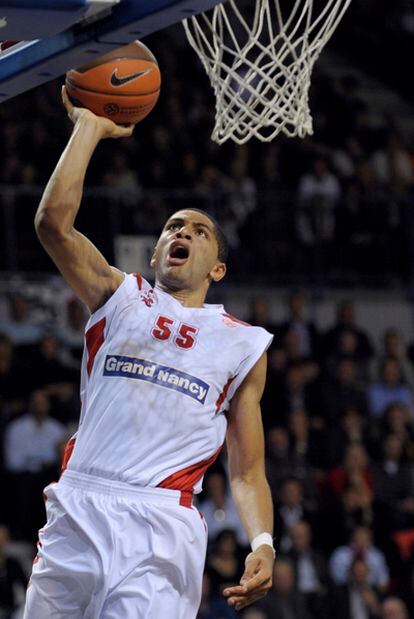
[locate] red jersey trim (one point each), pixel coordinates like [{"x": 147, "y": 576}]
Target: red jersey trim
[
  {"x": 186, "y": 479},
  {"x": 234, "y": 319},
  {"x": 94, "y": 339},
  {"x": 139, "y": 280},
  {"x": 223, "y": 394},
  {"x": 67, "y": 453}
]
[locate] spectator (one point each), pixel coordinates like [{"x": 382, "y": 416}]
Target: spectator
[
  {"x": 71, "y": 332},
  {"x": 318, "y": 194},
  {"x": 31, "y": 442},
  {"x": 342, "y": 392},
  {"x": 11, "y": 577},
  {"x": 260, "y": 314},
  {"x": 296, "y": 322},
  {"x": 123, "y": 178},
  {"x": 357, "y": 598},
  {"x": 243, "y": 190},
  {"x": 278, "y": 464},
  {"x": 360, "y": 548},
  {"x": 354, "y": 473},
  {"x": 394, "y": 347},
  {"x": 219, "y": 510},
  {"x": 390, "y": 390},
  {"x": 398, "y": 421},
  {"x": 225, "y": 564},
  {"x": 13, "y": 387},
  {"x": 297, "y": 391},
  {"x": 311, "y": 570},
  {"x": 352, "y": 510},
  {"x": 393, "y": 608},
  {"x": 347, "y": 348},
  {"x": 308, "y": 446},
  {"x": 212, "y": 606},
  {"x": 345, "y": 321},
  {"x": 290, "y": 509},
  {"x": 20, "y": 327},
  {"x": 393, "y": 492},
  {"x": 283, "y": 601},
  {"x": 392, "y": 166},
  {"x": 31, "y": 450},
  {"x": 351, "y": 430}
]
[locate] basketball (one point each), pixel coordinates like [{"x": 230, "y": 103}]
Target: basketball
[{"x": 122, "y": 85}]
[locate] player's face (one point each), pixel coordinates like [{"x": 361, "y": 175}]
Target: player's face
[{"x": 186, "y": 255}]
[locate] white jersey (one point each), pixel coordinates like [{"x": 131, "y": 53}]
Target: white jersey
[{"x": 157, "y": 380}]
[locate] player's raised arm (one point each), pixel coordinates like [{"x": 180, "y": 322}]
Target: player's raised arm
[
  {"x": 81, "y": 264},
  {"x": 250, "y": 490}
]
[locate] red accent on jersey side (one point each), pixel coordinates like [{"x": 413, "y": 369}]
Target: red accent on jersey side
[
  {"x": 139, "y": 280},
  {"x": 67, "y": 453},
  {"x": 223, "y": 394},
  {"x": 94, "y": 340},
  {"x": 186, "y": 499},
  {"x": 234, "y": 319},
  {"x": 186, "y": 479}
]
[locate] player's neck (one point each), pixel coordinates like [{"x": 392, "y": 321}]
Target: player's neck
[{"x": 187, "y": 298}]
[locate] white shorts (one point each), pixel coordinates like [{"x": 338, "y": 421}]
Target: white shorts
[{"x": 110, "y": 550}]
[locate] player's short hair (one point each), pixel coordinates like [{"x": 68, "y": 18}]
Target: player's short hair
[{"x": 223, "y": 246}]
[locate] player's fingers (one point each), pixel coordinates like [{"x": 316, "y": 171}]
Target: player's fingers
[
  {"x": 260, "y": 580},
  {"x": 247, "y": 601},
  {"x": 128, "y": 130},
  {"x": 238, "y": 590},
  {"x": 66, "y": 101},
  {"x": 240, "y": 601}
]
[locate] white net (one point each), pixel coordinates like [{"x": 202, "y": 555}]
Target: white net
[{"x": 259, "y": 58}]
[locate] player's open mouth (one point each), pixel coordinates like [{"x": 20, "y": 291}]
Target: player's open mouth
[{"x": 178, "y": 254}]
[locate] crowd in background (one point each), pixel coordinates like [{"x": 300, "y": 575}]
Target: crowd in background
[
  {"x": 339, "y": 429},
  {"x": 293, "y": 210},
  {"x": 338, "y": 413}
]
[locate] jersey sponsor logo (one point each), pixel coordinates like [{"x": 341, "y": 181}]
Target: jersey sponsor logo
[{"x": 161, "y": 375}]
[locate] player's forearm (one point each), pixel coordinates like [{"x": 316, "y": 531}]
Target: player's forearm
[
  {"x": 253, "y": 501},
  {"x": 62, "y": 196}
]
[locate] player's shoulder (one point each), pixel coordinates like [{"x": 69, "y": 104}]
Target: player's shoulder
[
  {"x": 232, "y": 321},
  {"x": 137, "y": 282},
  {"x": 243, "y": 329}
]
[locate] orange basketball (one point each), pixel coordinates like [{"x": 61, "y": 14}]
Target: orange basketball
[{"x": 123, "y": 85}]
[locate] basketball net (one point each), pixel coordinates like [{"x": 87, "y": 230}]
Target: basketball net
[{"x": 260, "y": 60}]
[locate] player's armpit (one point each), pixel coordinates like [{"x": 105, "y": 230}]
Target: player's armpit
[{"x": 82, "y": 265}]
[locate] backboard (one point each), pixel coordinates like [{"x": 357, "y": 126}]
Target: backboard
[{"x": 56, "y": 35}]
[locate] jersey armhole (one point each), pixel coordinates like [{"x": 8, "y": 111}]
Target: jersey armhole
[
  {"x": 131, "y": 285},
  {"x": 261, "y": 345}
]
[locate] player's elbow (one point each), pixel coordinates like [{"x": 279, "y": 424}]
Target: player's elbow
[{"x": 47, "y": 226}]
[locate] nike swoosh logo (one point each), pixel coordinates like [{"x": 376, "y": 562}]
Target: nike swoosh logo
[{"x": 120, "y": 81}]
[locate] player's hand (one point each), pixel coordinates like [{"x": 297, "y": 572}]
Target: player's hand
[
  {"x": 107, "y": 128},
  {"x": 256, "y": 580}
]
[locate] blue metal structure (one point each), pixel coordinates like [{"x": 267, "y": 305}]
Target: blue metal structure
[
  {"x": 24, "y": 19},
  {"x": 32, "y": 63}
]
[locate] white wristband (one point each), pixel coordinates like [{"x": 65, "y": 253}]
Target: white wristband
[{"x": 261, "y": 539}]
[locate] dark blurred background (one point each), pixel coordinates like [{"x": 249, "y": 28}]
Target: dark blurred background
[{"x": 322, "y": 239}]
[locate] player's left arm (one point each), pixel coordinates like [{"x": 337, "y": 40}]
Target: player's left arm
[{"x": 251, "y": 493}]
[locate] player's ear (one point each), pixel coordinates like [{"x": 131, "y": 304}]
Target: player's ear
[
  {"x": 152, "y": 263},
  {"x": 218, "y": 271}
]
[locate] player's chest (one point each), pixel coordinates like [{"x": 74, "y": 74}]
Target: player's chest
[{"x": 154, "y": 331}]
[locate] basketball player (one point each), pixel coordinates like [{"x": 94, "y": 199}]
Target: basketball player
[{"x": 164, "y": 379}]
